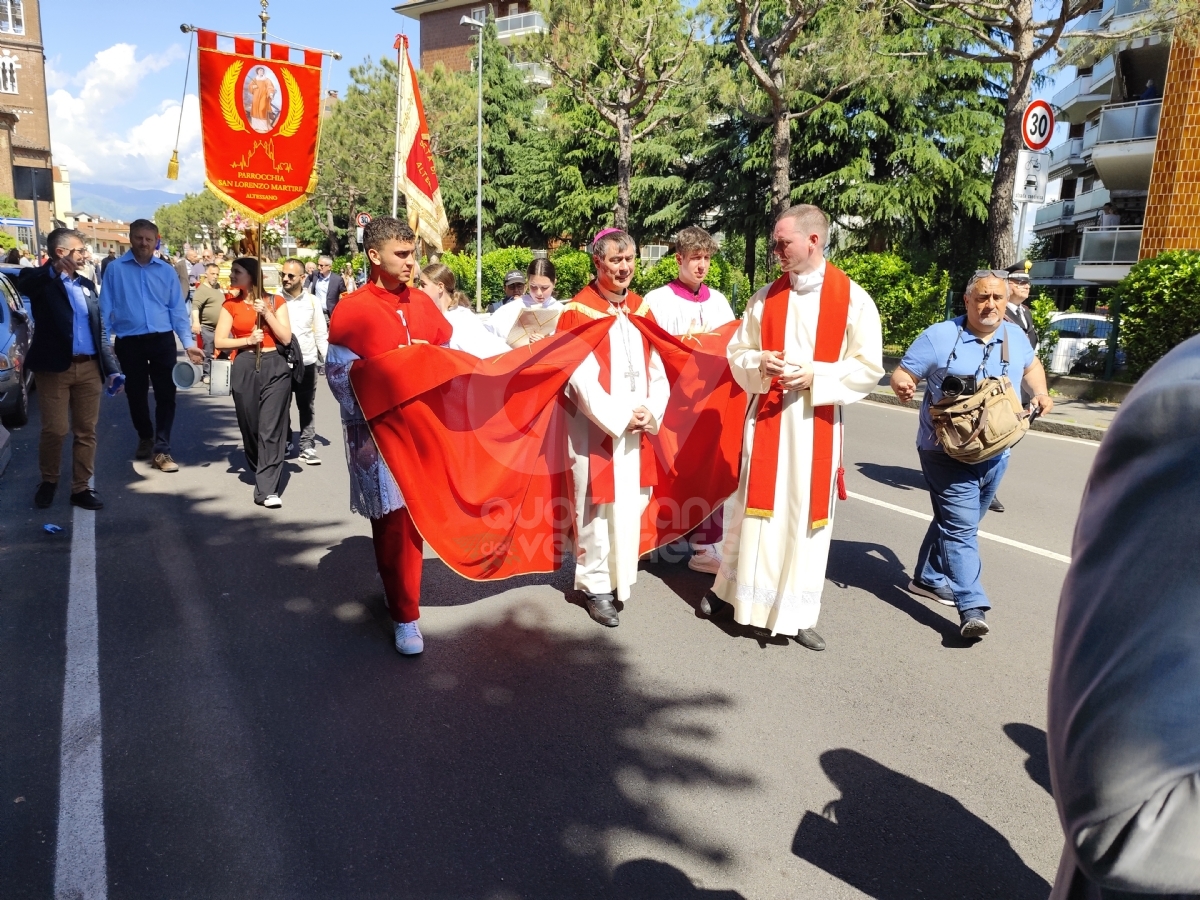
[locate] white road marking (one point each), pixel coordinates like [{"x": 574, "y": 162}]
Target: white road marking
[
  {"x": 926, "y": 517},
  {"x": 80, "y": 867}
]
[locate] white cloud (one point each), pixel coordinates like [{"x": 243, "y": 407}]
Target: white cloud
[{"x": 84, "y": 140}]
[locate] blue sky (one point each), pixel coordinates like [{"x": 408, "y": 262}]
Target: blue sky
[{"x": 115, "y": 76}]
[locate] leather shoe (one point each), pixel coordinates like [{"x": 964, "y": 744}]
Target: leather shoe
[
  {"x": 712, "y": 606},
  {"x": 806, "y": 637},
  {"x": 600, "y": 607},
  {"x": 87, "y": 499},
  {"x": 996, "y": 505},
  {"x": 45, "y": 494},
  {"x": 145, "y": 448}
]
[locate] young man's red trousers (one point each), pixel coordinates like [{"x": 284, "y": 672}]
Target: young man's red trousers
[{"x": 398, "y": 554}]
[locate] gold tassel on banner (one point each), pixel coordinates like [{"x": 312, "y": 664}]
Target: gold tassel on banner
[{"x": 173, "y": 165}]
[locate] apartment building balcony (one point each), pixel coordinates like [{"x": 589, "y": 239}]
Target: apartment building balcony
[
  {"x": 1107, "y": 254},
  {"x": 1087, "y": 93},
  {"x": 534, "y": 73},
  {"x": 1054, "y": 215},
  {"x": 1053, "y": 271},
  {"x": 511, "y": 28},
  {"x": 1089, "y": 204},
  {"x": 1066, "y": 159},
  {"x": 1124, "y": 151}
]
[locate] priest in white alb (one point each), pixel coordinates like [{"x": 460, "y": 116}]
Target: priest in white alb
[
  {"x": 617, "y": 395},
  {"x": 808, "y": 344}
]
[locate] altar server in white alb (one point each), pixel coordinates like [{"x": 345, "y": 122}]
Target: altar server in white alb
[
  {"x": 686, "y": 305},
  {"x": 808, "y": 344},
  {"x": 619, "y": 394}
]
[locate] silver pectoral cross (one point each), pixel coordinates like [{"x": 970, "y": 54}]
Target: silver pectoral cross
[{"x": 632, "y": 375}]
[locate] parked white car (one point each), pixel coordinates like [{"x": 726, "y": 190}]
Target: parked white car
[{"x": 1076, "y": 332}]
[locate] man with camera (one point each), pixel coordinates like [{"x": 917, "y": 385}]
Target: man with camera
[{"x": 955, "y": 358}]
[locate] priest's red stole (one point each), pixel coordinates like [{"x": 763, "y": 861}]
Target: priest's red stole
[{"x": 764, "y": 459}]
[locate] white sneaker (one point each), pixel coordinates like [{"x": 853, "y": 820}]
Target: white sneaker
[
  {"x": 309, "y": 457},
  {"x": 706, "y": 559},
  {"x": 272, "y": 501},
  {"x": 408, "y": 638}
]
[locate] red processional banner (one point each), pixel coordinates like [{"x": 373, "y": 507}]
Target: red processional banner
[{"x": 261, "y": 124}]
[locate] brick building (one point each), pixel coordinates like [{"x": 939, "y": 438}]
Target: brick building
[
  {"x": 444, "y": 40},
  {"x": 24, "y": 110}
]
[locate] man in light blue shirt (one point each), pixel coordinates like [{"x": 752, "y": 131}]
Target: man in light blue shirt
[
  {"x": 948, "y": 568},
  {"x": 145, "y": 310}
]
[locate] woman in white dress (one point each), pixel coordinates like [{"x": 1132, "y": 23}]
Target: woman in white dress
[{"x": 469, "y": 334}]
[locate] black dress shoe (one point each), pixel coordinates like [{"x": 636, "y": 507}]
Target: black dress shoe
[
  {"x": 45, "y": 494},
  {"x": 600, "y": 607},
  {"x": 712, "y": 606},
  {"x": 87, "y": 499},
  {"x": 996, "y": 505},
  {"x": 806, "y": 637},
  {"x": 145, "y": 449}
]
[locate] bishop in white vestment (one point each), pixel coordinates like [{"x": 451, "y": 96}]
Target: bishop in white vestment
[
  {"x": 614, "y": 404},
  {"x": 773, "y": 566}
]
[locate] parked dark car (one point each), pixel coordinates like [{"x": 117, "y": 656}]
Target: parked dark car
[{"x": 16, "y": 330}]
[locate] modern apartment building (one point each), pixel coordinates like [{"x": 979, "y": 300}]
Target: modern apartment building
[
  {"x": 1094, "y": 229},
  {"x": 444, "y": 40}
]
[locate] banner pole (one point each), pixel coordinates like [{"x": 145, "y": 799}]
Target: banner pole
[
  {"x": 400, "y": 46},
  {"x": 261, "y": 296}
]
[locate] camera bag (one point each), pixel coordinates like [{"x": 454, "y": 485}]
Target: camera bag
[{"x": 976, "y": 428}]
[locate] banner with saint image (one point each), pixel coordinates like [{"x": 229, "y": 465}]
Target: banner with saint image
[{"x": 260, "y": 119}]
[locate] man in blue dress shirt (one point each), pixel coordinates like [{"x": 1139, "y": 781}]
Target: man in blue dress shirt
[
  {"x": 145, "y": 310},
  {"x": 948, "y": 568}
]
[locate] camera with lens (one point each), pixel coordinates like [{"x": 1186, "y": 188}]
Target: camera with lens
[{"x": 958, "y": 385}]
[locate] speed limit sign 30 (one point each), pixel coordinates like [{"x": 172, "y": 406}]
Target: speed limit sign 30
[{"x": 1037, "y": 125}]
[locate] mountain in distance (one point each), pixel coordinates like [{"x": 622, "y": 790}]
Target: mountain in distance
[{"x": 113, "y": 201}]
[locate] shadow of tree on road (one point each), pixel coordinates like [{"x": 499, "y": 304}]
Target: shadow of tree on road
[
  {"x": 263, "y": 738},
  {"x": 894, "y": 838}
]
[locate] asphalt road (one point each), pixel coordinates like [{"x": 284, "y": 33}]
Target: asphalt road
[{"x": 262, "y": 739}]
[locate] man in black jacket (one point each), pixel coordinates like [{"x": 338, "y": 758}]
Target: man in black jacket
[
  {"x": 326, "y": 285},
  {"x": 73, "y": 358}
]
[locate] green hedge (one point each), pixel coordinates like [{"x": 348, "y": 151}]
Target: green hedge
[
  {"x": 1160, "y": 306},
  {"x": 908, "y": 303}
]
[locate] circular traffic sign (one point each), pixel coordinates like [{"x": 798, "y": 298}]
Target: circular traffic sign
[
  {"x": 1037, "y": 125},
  {"x": 363, "y": 219}
]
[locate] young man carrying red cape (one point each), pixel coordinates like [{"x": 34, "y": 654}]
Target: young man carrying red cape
[{"x": 384, "y": 315}]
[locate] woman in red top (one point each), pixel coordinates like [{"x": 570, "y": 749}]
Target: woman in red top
[{"x": 262, "y": 398}]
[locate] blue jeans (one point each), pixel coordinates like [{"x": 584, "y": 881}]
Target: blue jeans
[{"x": 960, "y": 493}]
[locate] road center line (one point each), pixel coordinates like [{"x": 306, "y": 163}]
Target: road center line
[
  {"x": 80, "y": 867},
  {"x": 926, "y": 517}
]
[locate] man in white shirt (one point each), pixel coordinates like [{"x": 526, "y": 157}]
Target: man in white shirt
[
  {"x": 687, "y": 305},
  {"x": 310, "y": 328}
]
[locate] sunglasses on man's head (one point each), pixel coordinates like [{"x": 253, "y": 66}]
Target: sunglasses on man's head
[{"x": 995, "y": 273}]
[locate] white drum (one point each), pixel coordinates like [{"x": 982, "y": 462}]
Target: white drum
[
  {"x": 218, "y": 377},
  {"x": 186, "y": 375}
]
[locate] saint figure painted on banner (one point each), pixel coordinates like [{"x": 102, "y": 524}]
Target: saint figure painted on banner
[{"x": 259, "y": 98}]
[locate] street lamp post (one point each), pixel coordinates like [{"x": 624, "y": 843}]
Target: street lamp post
[{"x": 478, "y": 26}]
